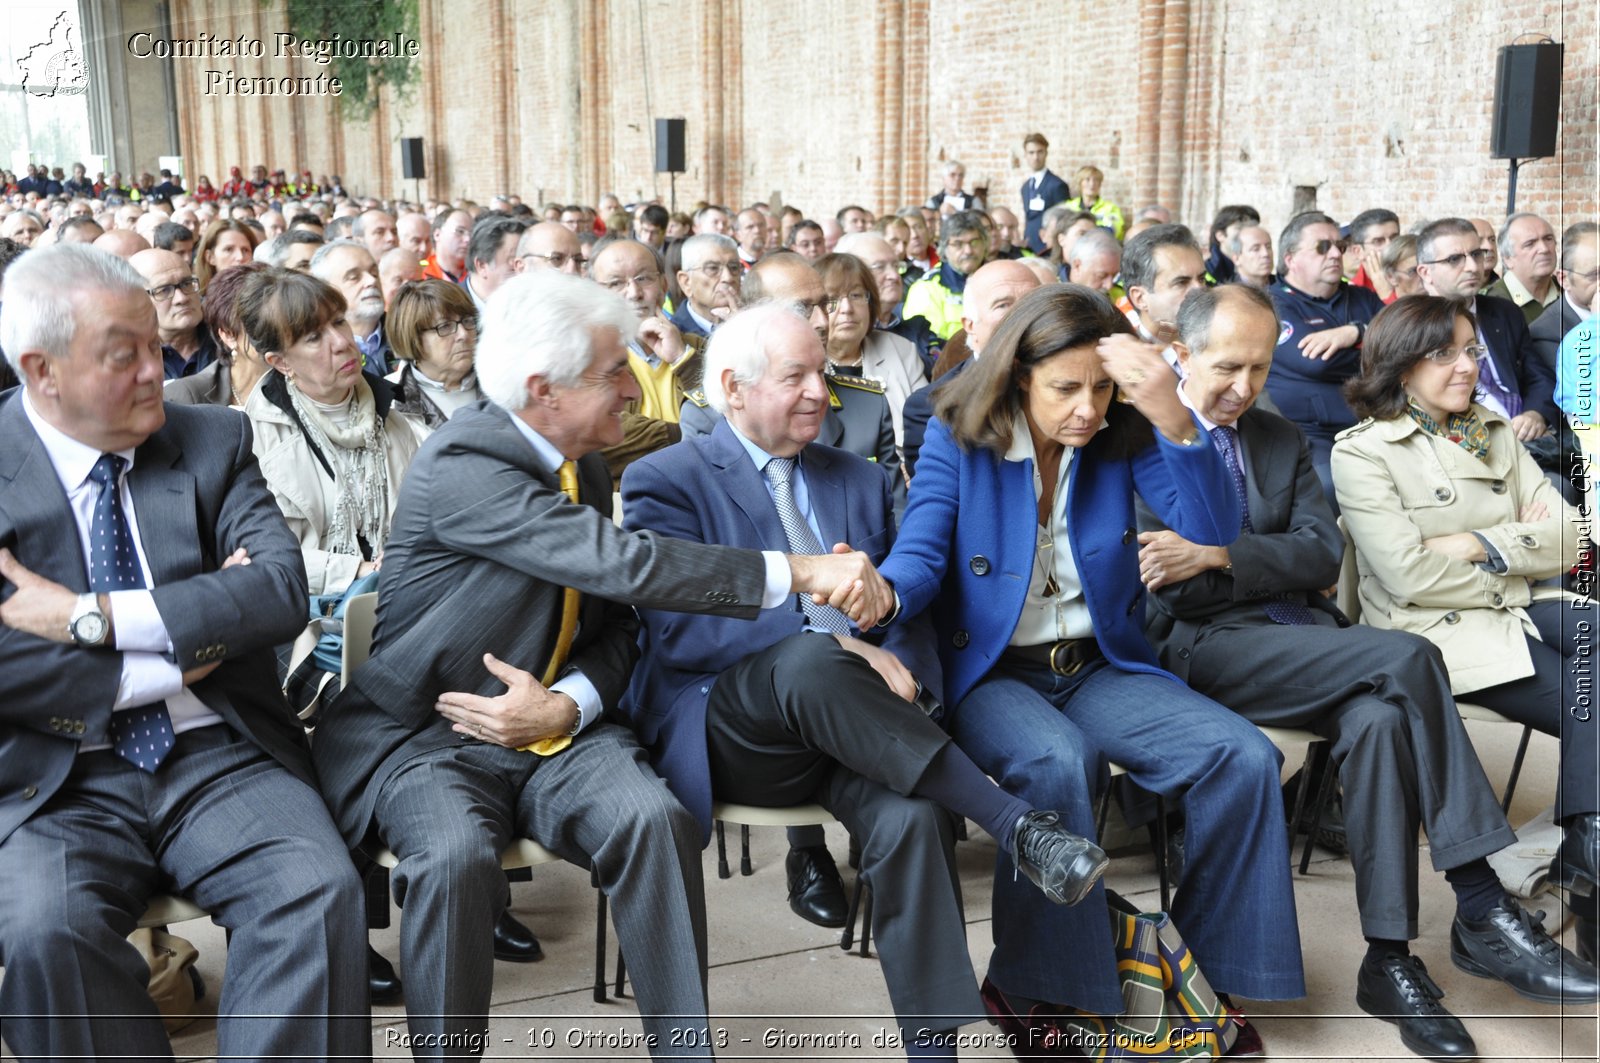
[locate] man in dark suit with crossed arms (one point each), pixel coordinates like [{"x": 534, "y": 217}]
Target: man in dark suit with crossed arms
[
  {"x": 504, "y": 633},
  {"x": 1246, "y": 625},
  {"x": 144, "y": 746}
]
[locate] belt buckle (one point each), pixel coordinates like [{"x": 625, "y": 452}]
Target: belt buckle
[{"x": 1071, "y": 669}]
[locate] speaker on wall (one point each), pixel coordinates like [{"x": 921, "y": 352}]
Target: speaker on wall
[
  {"x": 669, "y": 145},
  {"x": 1527, "y": 101},
  {"x": 411, "y": 164}
]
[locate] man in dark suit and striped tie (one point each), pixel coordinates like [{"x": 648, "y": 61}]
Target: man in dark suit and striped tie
[
  {"x": 504, "y": 635},
  {"x": 144, "y": 745}
]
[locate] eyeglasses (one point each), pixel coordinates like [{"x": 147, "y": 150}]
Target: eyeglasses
[
  {"x": 972, "y": 244},
  {"x": 1457, "y": 260},
  {"x": 641, "y": 280},
  {"x": 165, "y": 293},
  {"x": 833, "y": 302},
  {"x": 1448, "y": 355},
  {"x": 714, "y": 270},
  {"x": 806, "y": 309},
  {"x": 445, "y": 329},
  {"x": 557, "y": 259},
  {"x": 1322, "y": 247}
]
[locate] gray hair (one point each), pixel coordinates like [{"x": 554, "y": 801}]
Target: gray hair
[
  {"x": 277, "y": 252},
  {"x": 739, "y": 344},
  {"x": 952, "y": 166},
  {"x": 358, "y": 227},
  {"x": 959, "y": 224},
  {"x": 698, "y": 247},
  {"x": 1139, "y": 256},
  {"x": 329, "y": 249},
  {"x": 42, "y": 286},
  {"x": 1199, "y": 309},
  {"x": 1441, "y": 227},
  {"x": 1289, "y": 239},
  {"x": 1093, "y": 243},
  {"x": 1575, "y": 234},
  {"x": 542, "y": 324},
  {"x": 1503, "y": 240}
]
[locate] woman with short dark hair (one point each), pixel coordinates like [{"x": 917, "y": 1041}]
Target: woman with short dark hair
[
  {"x": 1457, "y": 532},
  {"x": 1020, "y": 535},
  {"x": 331, "y": 445},
  {"x": 433, "y": 328}
]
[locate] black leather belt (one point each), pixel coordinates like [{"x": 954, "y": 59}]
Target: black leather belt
[{"x": 1062, "y": 658}]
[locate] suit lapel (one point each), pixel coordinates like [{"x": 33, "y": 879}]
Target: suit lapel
[
  {"x": 745, "y": 485},
  {"x": 1261, "y": 463},
  {"x": 827, "y": 492},
  {"x": 30, "y": 491},
  {"x": 1495, "y": 338},
  {"x": 164, "y": 504}
]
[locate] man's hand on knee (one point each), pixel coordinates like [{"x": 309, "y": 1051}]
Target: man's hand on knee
[{"x": 886, "y": 664}]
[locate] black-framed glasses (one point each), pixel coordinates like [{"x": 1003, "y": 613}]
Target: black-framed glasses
[
  {"x": 1457, "y": 260},
  {"x": 165, "y": 292},
  {"x": 445, "y": 329},
  {"x": 1448, "y": 355}
]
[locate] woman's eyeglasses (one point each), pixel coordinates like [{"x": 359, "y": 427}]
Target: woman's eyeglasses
[
  {"x": 1448, "y": 355},
  {"x": 445, "y": 329}
]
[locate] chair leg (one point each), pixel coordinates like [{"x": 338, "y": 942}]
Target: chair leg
[
  {"x": 622, "y": 974},
  {"x": 1102, "y": 814},
  {"x": 1160, "y": 829},
  {"x": 1302, "y": 790},
  {"x": 600, "y": 940},
  {"x": 847, "y": 939},
  {"x": 744, "y": 850},
  {"x": 1330, "y": 779},
  {"x": 1516, "y": 770},
  {"x": 723, "y": 871},
  {"x": 866, "y": 917}
]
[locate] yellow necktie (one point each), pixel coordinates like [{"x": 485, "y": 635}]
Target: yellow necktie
[{"x": 569, "y": 628}]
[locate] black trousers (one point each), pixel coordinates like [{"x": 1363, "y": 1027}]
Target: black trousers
[
  {"x": 1383, "y": 699},
  {"x": 1559, "y": 698},
  {"x": 807, "y": 720}
]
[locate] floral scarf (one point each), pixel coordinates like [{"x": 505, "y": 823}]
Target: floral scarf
[{"x": 1466, "y": 430}]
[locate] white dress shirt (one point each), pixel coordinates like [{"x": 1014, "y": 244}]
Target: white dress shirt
[
  {"x": 1064, "y": 614},
  {"x": 149, "y": 672}
]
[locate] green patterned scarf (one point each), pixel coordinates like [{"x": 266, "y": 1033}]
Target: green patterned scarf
[{"x": 1466, "y": 429}]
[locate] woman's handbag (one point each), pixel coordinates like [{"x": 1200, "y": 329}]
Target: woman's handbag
[
  {"x": 317, "y": 657},
  {"x": 1170, "y": 1010}
]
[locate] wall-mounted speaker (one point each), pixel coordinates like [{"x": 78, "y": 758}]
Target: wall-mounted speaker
[{"x": 1527, "y": 101}]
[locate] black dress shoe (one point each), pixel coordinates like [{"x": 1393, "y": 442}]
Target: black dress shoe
[
  {"x": 1576, "y": 866},
  {"x": 1397, "y": 989},
  {"x": 514, "y": 942},
  {"x": 1512, "y": 946},
  {"x": 383, "y": 984},
  {"x": 1059, "y": 862},
  {"x": 816, "y": 893}
]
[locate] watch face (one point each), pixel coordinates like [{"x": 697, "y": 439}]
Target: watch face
[{"x": 89, "y": 628}]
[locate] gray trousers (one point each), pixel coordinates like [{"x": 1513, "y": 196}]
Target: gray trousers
[
  {"x": 447, "y": 814},
  {"x": 227, "y": 827},
  {"x": 1403, "y": 755},
  {"x": 806, "y": 720}
]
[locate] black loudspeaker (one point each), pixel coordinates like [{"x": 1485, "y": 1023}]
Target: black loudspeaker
[
  {"x": 669, "y": 145},
  {"x": 1527, "y": 101},
  {"x": 411, "y": 164}
]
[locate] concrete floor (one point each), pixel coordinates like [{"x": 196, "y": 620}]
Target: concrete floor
[{"x": 775, "y": 978}]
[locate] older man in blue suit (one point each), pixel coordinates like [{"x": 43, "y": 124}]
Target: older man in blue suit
[{"x": 800, "y": 706}]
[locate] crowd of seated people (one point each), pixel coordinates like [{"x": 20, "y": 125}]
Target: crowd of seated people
[{"x": 936, "y": 511}]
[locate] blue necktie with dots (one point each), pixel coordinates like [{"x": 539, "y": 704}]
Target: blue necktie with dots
[
  {"x": 141, "y": 735},
  {"x": 802, "y": 540},
  {"x": 1280, "y": 608}
]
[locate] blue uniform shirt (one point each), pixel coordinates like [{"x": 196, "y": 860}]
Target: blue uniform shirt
[{"x": 1307, "y": 390}]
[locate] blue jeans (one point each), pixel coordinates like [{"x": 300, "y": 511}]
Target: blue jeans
[{"x": 1045, "y": 738}]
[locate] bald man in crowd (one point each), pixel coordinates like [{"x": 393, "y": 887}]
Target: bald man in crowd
[
  {"x": 124, "y": 243},
  {"x": 550, "y": 245}
]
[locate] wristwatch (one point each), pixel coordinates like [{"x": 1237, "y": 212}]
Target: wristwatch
[{"x": 88, "y": 626}]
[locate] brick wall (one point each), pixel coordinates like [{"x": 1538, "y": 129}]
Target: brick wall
[{"x": 1187, "y": 102}]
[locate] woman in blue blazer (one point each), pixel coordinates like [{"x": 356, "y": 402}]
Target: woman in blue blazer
[{"x": 1020, "y": 536}]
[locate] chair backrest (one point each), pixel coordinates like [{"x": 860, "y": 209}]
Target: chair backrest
[
  {"x": 360, "y": 617},
  {"x": 1348, "y": 597}
]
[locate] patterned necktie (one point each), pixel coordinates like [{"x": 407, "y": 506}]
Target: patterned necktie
[
  {"x": 143, "y": 734},
  {"x": 570, "y": 602},
  {"x": 780, "y": 472},
  {"x": 1280, "y": 608}
]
